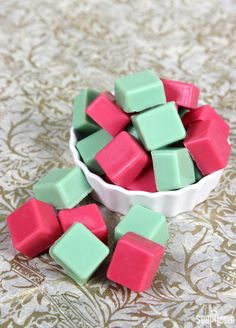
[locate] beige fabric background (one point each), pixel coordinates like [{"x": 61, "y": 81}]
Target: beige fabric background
[{"x": 49, "y": 50}]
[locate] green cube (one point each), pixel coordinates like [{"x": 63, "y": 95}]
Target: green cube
[
  {"x": 62, "y": 188},
  {"x": 159, "y": 126},
  {"x": 139, "y": 91},
  {"x": 90, "y": 146},
  {"x": 79, "y": 252},
  {"x": 81, "y": 121},
  {"x": 144, "y": 222},
  {"x": 173, "y": 168}
]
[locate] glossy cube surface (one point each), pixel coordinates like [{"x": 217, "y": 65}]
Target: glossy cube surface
[
  {"x": 79, "y": 252},
  {"x": 159, "y": 126},
  {"x": 205, "y": 113},
  {"x": 173, "y": 168},
  {"x": 89, "y": 215},
  {"x": 145, "y": 181},
  {"x": 33, "y": 227},
  {"x": 138, "y": 91},
  {"x": 62, "y": 188},
  {"x": 184, "y": 94},
  {"x": 81, "y": 121},
  {"x": 106, "y": 113},
  {"x": 122, "y": 159},
  {"x": 135, "y": 262},
  {"x": 144, "y": 222},
  {"x": 208, "y": 146}
]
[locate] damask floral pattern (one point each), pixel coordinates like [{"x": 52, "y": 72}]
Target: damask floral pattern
[{"x": 49, "y": 51}]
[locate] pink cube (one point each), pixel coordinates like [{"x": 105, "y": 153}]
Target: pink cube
[
  {"x": 205, "y": 113},
  {"x": 145, "y": 181},
  {"x": 106, "y": 113},
  {"x": 88, "y": 215},
  {"x": 208, "y": 146},
  {"x": 33, "y": 227},
  {"x": 135, "y": 262},
  {"x": 122, "y": 159},
  {"x": 184, "y": 94}
]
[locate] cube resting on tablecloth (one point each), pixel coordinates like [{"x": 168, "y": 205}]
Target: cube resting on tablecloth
[
  {"x": 33, "y": 227},
  {"x": 79, "y": 252},
  {"x": 62, "y": 188},
  {"x": 145, "y": 222},
  {"x": 89, "y": 215},
  {"x": 135, "y": 262}
]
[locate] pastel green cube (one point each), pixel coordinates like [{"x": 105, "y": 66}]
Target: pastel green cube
[
  {"x": 144, "y": 222},
  {"x": 139, "y": 91},
  {"x": 62, "y": 188},
  {"x": 159, "y": 126},
  {"x": 79, "y": 252},
  {"x": 81, "y": 121},
  {"x": 173, "y": 168},
  {"x": 90, "y": 146}
]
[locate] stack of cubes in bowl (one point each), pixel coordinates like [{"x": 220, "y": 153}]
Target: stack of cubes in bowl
[{"x": 151, "y": 136}]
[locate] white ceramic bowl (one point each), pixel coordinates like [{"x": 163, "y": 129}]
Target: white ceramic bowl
[{"x": 170, "y": 203}]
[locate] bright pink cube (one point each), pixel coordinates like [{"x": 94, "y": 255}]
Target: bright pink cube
[
  {"x": 135, "y": 262},
  {"x": 145, "y": 181},
  {"x": 106, "y": 113},
  {"x": 88, "y": 215},
  {"x": 205, "y": 113},
  {"x": 184, "y": 94},
  {"x": 33, "y": 227},
  {"x": 208, "y": 146},
  {"x": 122, "y": 159}
]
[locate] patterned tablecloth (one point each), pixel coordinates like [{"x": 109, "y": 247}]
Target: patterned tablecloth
[{"x": 49, "y": 50}]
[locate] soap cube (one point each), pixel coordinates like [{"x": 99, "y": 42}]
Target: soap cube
[
  {"x": 205, "y": 113},
  {"x": 159, "y": 126},
  {"x": 62, "y": 188},
  {"x": 145, "y": 181},
  {"x": 144, "y": 222},
  {"x": 122, "y": 159},
  {"x": 208, "y": 146},
  {"x": 135, "y": 262},
  {"x": 184, "y": 94},
  {"x": 90, "y": 146},
  {"x": 79, "y": 252},
  {"x": 33, "y": 227},
  {"x": 81, "y": 121},
  {"x": 139, "y": 91},
  {"x": 106, "y": 113},
  {"x": 88, "y": 215},
  {"x": 173, "y": 168}
]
